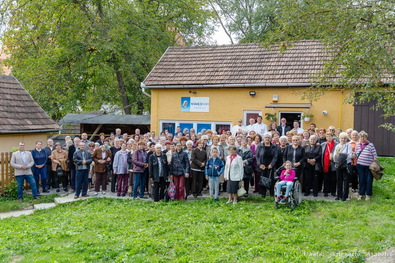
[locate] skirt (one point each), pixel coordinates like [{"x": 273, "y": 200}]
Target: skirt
[{"x": 232, "y": 187}]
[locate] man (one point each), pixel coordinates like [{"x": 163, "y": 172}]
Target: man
[
  {"x": 297, "y": 128},
  {"x": 137, "y": 131},
  {"x": 66, "y": 138},
  {"x": 283, "y": 128},
  {"x": 84, "y": 139},
  {"x": 238, "y": 128},
  {"x": 72, "y": 150},
  {"x": 22, "y": 162},
  {"x": 82, "y": 160},
  {"x": 118, "y": 133},
  {"x": 259, "y": 127},
  {"x": 332, "y": 129},
  {"x": 249, "y": 127},
  {"x": 48, "y": 165},
  {"x": 40, "y": 158}
]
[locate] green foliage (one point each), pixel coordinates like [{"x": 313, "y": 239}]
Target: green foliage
[
  {"x": 11, "y": 190},
  {"x": 245, "y": 20},
  {"x": 119, "y": 230},
  {"x": 359, "y": 37},
  {"x": 9, "y": 203},
  {"x": 82, "y": 55}
]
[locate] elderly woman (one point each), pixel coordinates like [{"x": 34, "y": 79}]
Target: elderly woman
[
  {"x": 354, "y": 139},
  {"x": 281, "y": 149},
  {"x": 328, "y": 165},
  {"x": 247, "y": 157},
  {"x": 305, "y": 141},
  {"x": 157, "y": 166},
  {"x": 198, "y": 162},
  {"x": 101, "y": 157},
  {"x": 233, "y": 174},
  {"x": 120, "y": 168},
  {"x": 59, "y": 158},
  {"x": 257, "y": 140},
  {"x": 321, "y": 135},
  {"x": 266, "y": 158},
  {"x": 365, "y": 153},
  {"x": 313, "y": 158},
  {"x": 188, "y": 180},
  {"x": 342, "y": 156},
  {"x": 179, "y": 170},
  {"x": 296, "y": 155}
]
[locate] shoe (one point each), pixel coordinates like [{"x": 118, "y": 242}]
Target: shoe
[
  {"x": 195, "y": 195},
  {"x": 200, "y": 194},
  {"x": 186, "y": 197},
  {"x": 337, "y": 198},
  {"x": 326, "y": 195},
  {"x": 72, "y": 191},
  {"x": 123, "y": 195},
  {"x": 278, "y": 199},
  {"x": 284, "y": 198},
  {"x": 58, "y": 190},
  {"x": 118, "y": 194},
  {"x": 344, "y": 199},
  {"x": 229, "y": 201},
  {"x": 367, "y": 198},
  {"x": 144, "y": 197},
  {"x": 354, "y": 190},
  {"x": 20, "y": 200},
  {"x": 359, "y": 197},
  {"x": 85, "y": 195},
  {"x": 134, "y": 198},
  {"x": 216, "y": 200},
  {"x": 255, "y": 191},
  {"x": 75, "y": 197},
  {"x": 245, "y": 195},
  {"x": 104, "y": 192},
  {"x": 65, "y": 189},
  {"x": 96, "y": 193},
  {"x": 315, "y": 195},
  {"x": 235, "y": 202},
  {"x": 333, "y": 194},
  {"x": 45, "y": 191}
]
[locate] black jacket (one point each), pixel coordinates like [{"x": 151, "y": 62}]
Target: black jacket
[
  {"x": 153, "y": 166},
  {"x": 287, "y": 129},
  {"x": 179, "y": 163},
  {"x": 77, "y": 158},
  {"x": 247, "y": 156},
  {"x": 260, "y": 155},
  {"x": 299, "y": 154},
  {"x": 313, "y": 153},
  {"x": 70, "y": 157}
]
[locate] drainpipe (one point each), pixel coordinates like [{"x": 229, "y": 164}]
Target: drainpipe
[{"x": 143, "y": 90}]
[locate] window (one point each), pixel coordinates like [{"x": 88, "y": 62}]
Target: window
[
  {"x": 248, "y": 114},
  {"x": 197, "y": 125}
]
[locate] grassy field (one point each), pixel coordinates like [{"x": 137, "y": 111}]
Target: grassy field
[
  {"x": 114, "y": 230},
  {"x": 7, "y": 205}
]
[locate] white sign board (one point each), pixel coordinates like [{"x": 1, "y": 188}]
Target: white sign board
[{"x": 195, "y": 104}]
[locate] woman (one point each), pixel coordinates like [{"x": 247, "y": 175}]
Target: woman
[
  {"x": 266, "y": 158},
  {"x": 305, "y": 140},
  {"x": 233, "y": 174},
  {"x": 276, "y": 138},
  {"x": 40, "y": 159},
  {"x": 120, "y": 168},
  {"x": 102, "y": 137},
  {"x": 215, "y": 144},
  {"x": 257, "y": 140},
  {"x": 188, "y": 181},
  {"x": 281, "y": 149},
  {"x": 198, "y": 161},
  {"x": 91, "y": 177},
  {"x": 59, "y": 158},
  {"x": 342, "y": 156},
  {"x": 247, "y": 157},
  {"x": 140, "y": 163},
  {"x": 321, "y": 136},
  {"x": 157, "y": 166},
  {"x": 296, "y": 155},
  {"x": 354, "y": 138},
  {"x": 313, "y": 158},
  {"x": 179, "y": 170},
  {"x": 328, "y": 165},
  {"x": 272, "y": 127},
  {"x": 365, "y": 153},
  {"x": 101, "y": 157}
]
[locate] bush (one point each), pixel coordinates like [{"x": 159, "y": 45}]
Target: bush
[{"x": 11, "y": 191}]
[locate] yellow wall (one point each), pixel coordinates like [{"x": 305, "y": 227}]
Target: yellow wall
[
  {"x": 8, "y": 141},
  {"x": 230, "y": 104}
]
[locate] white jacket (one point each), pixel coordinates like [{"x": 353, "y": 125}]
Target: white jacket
[{"x": 234, "y": 171}]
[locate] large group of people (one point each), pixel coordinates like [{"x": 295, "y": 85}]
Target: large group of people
[{"x": 324, "y": 160}]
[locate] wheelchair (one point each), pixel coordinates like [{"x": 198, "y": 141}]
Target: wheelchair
[{"x": 295, "y": 195}]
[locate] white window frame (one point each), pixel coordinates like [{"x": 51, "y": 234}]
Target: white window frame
[
  {"x": 195, "y": 123},
  {"x": 299, "y": 112},
  {"x": 246, "y": 122}
]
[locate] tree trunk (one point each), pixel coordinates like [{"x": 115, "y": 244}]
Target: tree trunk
[{"x": 122, "y": 91}]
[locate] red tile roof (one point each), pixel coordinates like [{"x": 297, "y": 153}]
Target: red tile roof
[
  {"x": 18, "y": 110},
  {"x": 238, "y": 64}
]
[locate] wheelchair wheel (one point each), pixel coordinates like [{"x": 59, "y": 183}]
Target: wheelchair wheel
[{"x": 297, "y": 193}]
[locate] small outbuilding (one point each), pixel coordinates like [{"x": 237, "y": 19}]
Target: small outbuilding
[{"x": 21, "y": 118}]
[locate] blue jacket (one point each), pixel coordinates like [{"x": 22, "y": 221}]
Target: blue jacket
[
  {"x": 39, "y": 157},
  {"x": 214, "y": 167}
]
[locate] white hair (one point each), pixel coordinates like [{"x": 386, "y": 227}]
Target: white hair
[
  {"x": 267, "y": 134},
  {"x": 158, "y": 146}
]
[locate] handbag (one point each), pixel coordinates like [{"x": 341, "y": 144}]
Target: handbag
[
  {"x": 265, "y": 181},
  {"x": 241, "y": 190},
  {"x": 59, "y": 171},
  {"x": 376, "y": 169},
  {"x": 171, "y": 191}
]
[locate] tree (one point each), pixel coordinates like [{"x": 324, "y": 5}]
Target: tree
[
  {"x": 359, "y": 36},
  {"x": 75, "y": 55},
  {"x": 245, "y": 20}
]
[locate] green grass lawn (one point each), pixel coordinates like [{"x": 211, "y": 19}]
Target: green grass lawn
[
  {"x": 116, "y": 230},
  {"x": 7, "y": 205}
]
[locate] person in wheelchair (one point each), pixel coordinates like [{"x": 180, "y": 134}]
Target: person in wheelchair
[{"x": 286, "y": 179}]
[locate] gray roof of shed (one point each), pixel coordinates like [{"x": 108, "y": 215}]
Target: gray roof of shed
[
  {"x": 237, "y": 64},
  {"x": 19, "y": 112},
  {"x": 106, "y": 119}
]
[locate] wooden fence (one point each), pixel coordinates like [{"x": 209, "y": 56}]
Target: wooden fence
[{"x": 6, "y": 171}]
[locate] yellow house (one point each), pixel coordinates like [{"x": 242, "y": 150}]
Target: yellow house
[
  {"x": 21, "y": 118},
  {"x": 212, "y": 87}
]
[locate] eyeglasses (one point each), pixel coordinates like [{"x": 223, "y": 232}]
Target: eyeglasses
[{"x": 91, "y": 146}]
